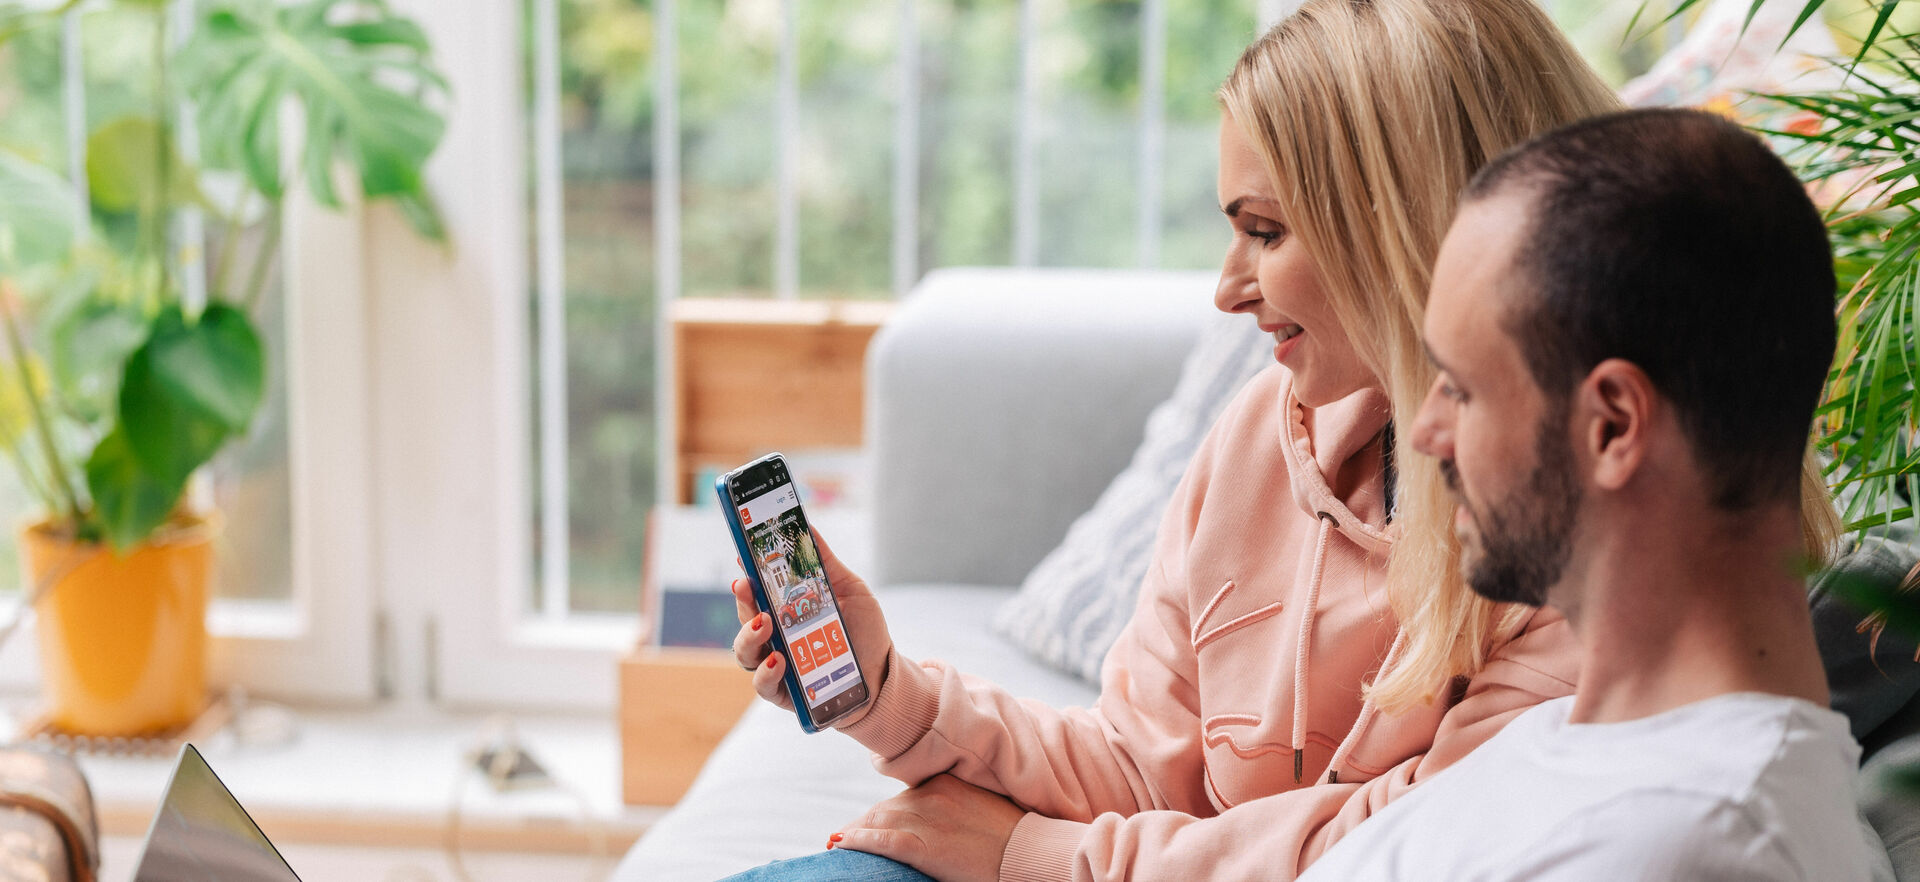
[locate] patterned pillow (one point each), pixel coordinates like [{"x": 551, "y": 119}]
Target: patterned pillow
[{"x": 1072, "y": 606}]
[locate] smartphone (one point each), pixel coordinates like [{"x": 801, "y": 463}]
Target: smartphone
[{"x": 770, "y": 530}]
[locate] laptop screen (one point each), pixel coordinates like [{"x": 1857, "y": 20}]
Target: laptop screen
[{"x": 201, "y": 832}]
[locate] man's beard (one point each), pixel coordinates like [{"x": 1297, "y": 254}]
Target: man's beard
[{"x": 1526, "y": 538}]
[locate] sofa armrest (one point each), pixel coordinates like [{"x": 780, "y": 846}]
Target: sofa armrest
[{"x": 1001, "y": 402}]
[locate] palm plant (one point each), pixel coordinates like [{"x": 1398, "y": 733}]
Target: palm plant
[
  {"x": 1858, "y": 144},
  {"x": 1861, "y": 152}
]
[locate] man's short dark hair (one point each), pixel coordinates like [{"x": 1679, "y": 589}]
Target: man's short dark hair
[{"x": 1678, "y": 241}]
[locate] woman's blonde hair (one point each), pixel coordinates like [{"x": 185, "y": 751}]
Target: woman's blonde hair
[{"x": 1371, "y": 116}]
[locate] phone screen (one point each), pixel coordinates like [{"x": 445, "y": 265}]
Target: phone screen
[{"x": 788, "y": 563}]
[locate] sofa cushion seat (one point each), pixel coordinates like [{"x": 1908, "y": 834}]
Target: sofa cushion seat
[{"x": 771, "y": 792}]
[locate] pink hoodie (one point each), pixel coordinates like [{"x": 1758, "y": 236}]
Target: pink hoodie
[{"x": 1229, "y": 740}]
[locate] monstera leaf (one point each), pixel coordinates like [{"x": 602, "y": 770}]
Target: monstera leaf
[
  {"x": 190, "y": 388},
  {"x": 129, "y": 502},
  {"x": 186, "y": 391},
  {"x": 357, "y": 73}
]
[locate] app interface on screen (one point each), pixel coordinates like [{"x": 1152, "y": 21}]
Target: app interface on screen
[{"x": 796, "y": 586}]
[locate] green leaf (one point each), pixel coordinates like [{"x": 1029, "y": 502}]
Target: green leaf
[
  {"x": 190, "y": 388},
  {"x": 1679, "y": 9},
  {"x": 36, "y": 213},
  {"x": 1879, "y": 23},
  {"x": 1806, "y": 12},
  {"x": 124, "y": 170},
  {"x": 1878, "y": 596},
  {"x": 318, "y": 155},
  {"x": 422, "y": 214},
  {"x": 359, "y": 74},
  {"x": 88, "y": 348},
  {"x": 260, "y": 140},
  {"x": 392, "y": 31},
  {"x": 129, "y": 501}
]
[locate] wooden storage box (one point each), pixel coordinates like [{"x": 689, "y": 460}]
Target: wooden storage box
[
  {"x": 675, "y": 705},
  {"x": 755, "y": 375}
]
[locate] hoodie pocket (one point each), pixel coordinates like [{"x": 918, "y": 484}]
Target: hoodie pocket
[{"x": 1248, "y": 756}]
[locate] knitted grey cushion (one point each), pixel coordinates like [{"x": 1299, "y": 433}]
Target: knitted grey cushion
[{"x": 1072, "y": 606}]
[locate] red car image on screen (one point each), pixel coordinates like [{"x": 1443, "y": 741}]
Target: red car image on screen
[{"x": 803, "y": 602}]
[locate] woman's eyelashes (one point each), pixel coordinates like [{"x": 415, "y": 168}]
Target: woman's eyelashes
[{"x": 1267, "y": 236}]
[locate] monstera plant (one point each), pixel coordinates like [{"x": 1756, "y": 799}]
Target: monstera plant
[{"x": 116, "y": 388}]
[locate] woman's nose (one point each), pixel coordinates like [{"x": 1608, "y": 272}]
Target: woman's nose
[{"x": 1239, "y": 286}]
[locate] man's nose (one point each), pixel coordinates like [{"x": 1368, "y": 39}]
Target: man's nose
[{"x": 1432, "y": 430}]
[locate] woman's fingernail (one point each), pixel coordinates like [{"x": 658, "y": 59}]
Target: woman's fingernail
[
  {"x": 773, "y": 661},
  {"x": 831, "y": 840},
  {"x": 756, "y": 623}
]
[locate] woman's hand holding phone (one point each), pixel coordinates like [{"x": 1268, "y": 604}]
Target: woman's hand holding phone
[{"x": 866, "y": 630}]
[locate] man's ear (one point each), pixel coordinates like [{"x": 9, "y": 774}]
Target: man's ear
[{"x": 1612, "y": 412}]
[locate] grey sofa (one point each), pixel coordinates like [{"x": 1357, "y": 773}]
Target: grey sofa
[{"x": 1002, "y": 402}]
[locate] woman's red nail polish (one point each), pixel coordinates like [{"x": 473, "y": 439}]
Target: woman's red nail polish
[
  {"x": 831, "y": 840},
  {"x": 773, "y": 662},
  {"x": 756, "y": 623}
]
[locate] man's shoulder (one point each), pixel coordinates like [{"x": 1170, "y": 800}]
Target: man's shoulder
[
  {"x": 1747, "y": 746},
  {"x": 1759, "y": 782}
]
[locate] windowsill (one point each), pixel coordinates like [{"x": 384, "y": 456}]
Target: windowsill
[
  {"x": 226, "y": 618},
  {"x": 389, "y": 776},
  {"x": 255, "y": 620}
]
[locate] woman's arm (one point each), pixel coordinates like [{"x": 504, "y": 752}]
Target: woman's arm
[
  {"x": 1138, "y": 748},
  {"x": 1278, "y": 836}
]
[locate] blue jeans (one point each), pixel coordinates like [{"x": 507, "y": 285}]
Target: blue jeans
[{"x": 838, "y": 865}]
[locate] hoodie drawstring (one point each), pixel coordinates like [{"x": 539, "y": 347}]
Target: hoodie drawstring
[
  {"x": 1305, "y": 645},
  {"x": 1367, "y": 712}
]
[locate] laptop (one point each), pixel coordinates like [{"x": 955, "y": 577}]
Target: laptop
[{"x": 201, "y": 833}]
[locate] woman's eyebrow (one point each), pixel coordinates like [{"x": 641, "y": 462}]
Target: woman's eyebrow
[{"x": 1232, "y": 209}]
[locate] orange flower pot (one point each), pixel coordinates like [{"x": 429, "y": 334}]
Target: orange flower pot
[{"x": 123, "y": 639}]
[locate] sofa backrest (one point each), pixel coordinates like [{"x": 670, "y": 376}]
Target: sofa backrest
[{"x": 1002, "y": 401}]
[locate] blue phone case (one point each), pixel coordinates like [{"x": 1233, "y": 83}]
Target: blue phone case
[{"x": 791, "y": 679}]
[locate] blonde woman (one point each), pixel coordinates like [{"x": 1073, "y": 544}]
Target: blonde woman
[{"x": 1304, "y": 650}]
